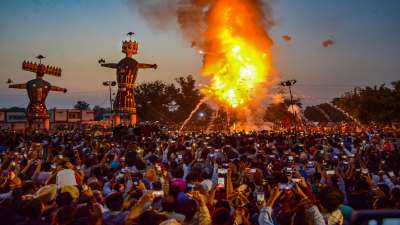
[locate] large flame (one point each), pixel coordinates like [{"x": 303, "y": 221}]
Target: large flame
[{"x": 237, "y": 52}]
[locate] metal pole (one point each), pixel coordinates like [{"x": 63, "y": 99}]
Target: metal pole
[
  {"x": 111, "y": 105},
  {"x": 289, "y": 83},
  {"x": 293, "y": 112}
]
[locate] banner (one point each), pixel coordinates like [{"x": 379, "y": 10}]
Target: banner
[
  {"x": 13, "y": 117},
  {"x": 74, "y": 115},
  {"x": 60, "y": 115},
  {"x": 87, "y": 115},
  {"x": 2, "y": 117}
]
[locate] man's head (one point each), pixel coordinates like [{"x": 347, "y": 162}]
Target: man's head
[
  {"x": 151, "y": 217},
  {"x": 168, "y": 203},
  {"x": 330, "y": 198},
  {"x": 32, "y": 209},
  {"x": 115, "y": 201},
  {"x": 188, "y": 208}
]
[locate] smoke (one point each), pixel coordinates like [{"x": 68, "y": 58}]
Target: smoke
[{"x": 189, "y": 16}]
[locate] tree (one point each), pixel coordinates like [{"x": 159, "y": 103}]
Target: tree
[
  {"x": 189, "y": 96},
  {"x": 15, "y": 109},
  {"x": 278, "y": 112},
  {"x": 152, "y": 100},
  {"x": 82, "y": 105},
  {"x": 158, "y": 101},
  {"x": 99, "y": 112},
  {"x": 372, "y": 104}
]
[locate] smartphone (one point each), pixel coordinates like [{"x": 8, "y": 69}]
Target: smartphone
[
  {"x": 158, "y": 168},
  {"x": 158, "y": 194},
  {"x": 190, "y": 187},
  {"x": 85, "y": 187},
  {"x": 296, "y": 180},
  {"x": 222, "y": 171},
  {"x": 284, "y": 187},
  {"x": 260, "y": 197},
  {"x": 289, "y": 171},
  {"x": 135, "y": 181},
  {"x": 330, "y": 172},
  {"x": 364, "y": 171},
  {"x": 179, "y": 156},
  {"x": 221, "y": 181},
  {"x": 252, "y": 170}
]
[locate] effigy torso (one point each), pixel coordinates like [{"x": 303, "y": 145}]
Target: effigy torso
[
  {"x": 37, "y": 89},
  {"x": 127, "y": 70}
]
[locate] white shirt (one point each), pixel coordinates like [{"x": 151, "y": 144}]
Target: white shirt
[{"x": 65, "y": 177}]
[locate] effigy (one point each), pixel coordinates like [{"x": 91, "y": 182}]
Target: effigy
[
  {"x": 127, "y": 69},
  {"x": 38, "y": 90}
]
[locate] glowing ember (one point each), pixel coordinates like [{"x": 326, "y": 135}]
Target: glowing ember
[{"x": 237, "y": 53}]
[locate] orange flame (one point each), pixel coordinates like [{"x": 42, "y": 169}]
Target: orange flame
[{"x": 237, "y": 52}]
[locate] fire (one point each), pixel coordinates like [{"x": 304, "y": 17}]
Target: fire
[{"x": 237, "y": 54}]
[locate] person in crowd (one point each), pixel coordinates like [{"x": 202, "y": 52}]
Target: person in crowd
[{"x": 149, "y": 174}]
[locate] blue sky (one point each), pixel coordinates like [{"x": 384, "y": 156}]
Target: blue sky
[{"x": 73, "y": 34}]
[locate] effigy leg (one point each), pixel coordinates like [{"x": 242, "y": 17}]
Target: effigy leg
[
  {"x": 46, "y": 124},
  {"x": 30, "y": 125},
  {"x": 132, "y": 119},
  {"x": 117, "y": 119}
]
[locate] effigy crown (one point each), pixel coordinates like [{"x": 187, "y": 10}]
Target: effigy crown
[
  {"x": 41, "y": 69},
  {"x": 130, "y": 46}
]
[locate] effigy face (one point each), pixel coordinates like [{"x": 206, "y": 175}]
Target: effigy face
[
  {"x": 127, "y": 70},
  {"x": 38, "y": 90},
  {"x": 130, "y": 48}
]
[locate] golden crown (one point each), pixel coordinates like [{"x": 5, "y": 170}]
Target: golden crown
[
  {"x": 130, "y": 45},
  {"x": 38, "y": 67}
]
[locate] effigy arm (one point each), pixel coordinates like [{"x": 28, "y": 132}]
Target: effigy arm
[
  {"x": 17, "y": 86},
  {"x": 58, "y": 89},
  {"x": 147, "y": 66},
  {"x": 109, "y": 65}
]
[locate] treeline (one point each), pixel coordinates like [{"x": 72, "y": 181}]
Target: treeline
[
  {"x": 372, "y": 104},
  {"x": 170, "y": 102}
]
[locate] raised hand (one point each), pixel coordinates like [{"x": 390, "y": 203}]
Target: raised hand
[{"x": 198, "y": 197}]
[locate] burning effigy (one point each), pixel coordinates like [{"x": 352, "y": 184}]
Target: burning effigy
[
  {"x": 237, "y": 52},
  {"x": 233, "y": 37}
]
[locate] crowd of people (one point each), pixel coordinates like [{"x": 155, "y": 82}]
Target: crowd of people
[{"x": 150, "y": 175}]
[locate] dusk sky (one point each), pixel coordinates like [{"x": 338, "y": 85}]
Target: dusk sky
[{"x": 74, "y": 34}]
